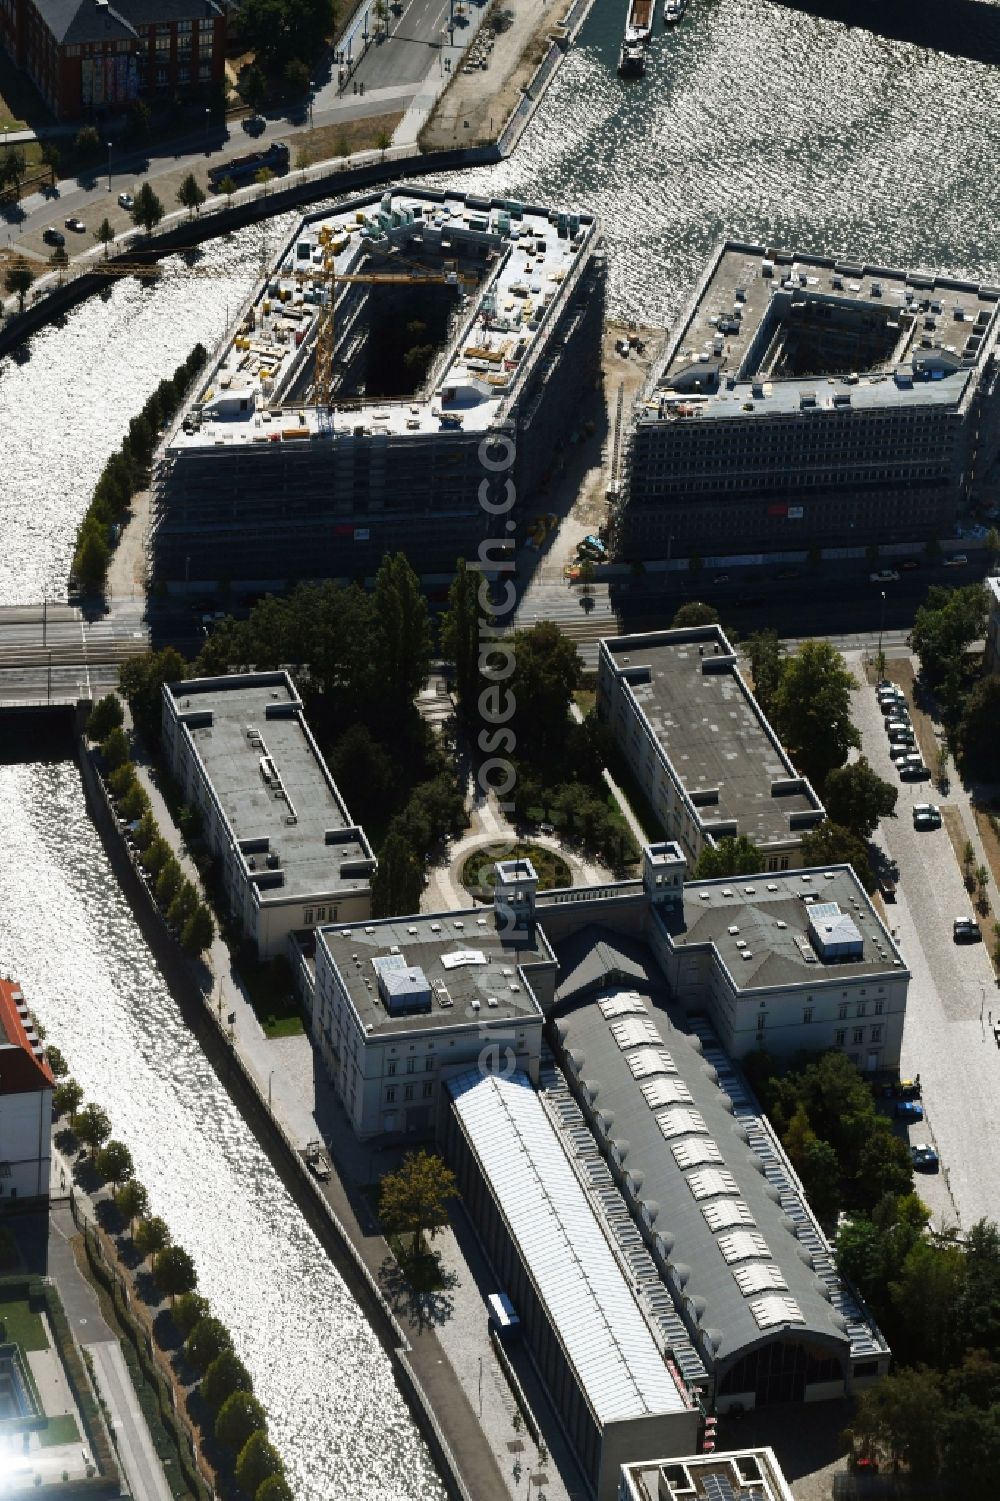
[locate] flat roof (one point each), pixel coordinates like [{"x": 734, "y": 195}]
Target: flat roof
[
  {"x": 508, "y": 306},
  {"x": 688, "y": 686},
  {"x": 726, "y": 359},
  {"x": 713, "y": 1179},
  {"x": 589, "y": 1303},
  {"x": 249, "y": 724},
  {"x": 759, "y": 926},
  {"x": 474, "y": 972},
  {"x": 24, "y": 1068},
  {"x": 738, "y": 1475}
]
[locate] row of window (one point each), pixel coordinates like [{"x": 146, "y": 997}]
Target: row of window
[
  {"x": 839, "y": 1036},
  {"x": 427, "y": 1091}
]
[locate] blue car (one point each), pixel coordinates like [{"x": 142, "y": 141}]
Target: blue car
[{"x": 909, "y": 1110}]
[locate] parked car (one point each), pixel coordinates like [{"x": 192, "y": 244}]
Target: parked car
[
  {"x": 53, "y": 236},
  {"x": 913, "y": 770},
  {"x": 788, "y": 573},
  {"x": 902, "y": 735},
  {"x": 126, "y": 201},
  {"x": 893, "y": 707},
  {"x": 957, "y": 560},
  {"x": 926, "y": 816},
  {"x": 76, "y": 225},
  {"x": 887, "y": 886},
  {"x": 884, "y": 576},
  {"x": 909, "y": 1110},
  {"x": 721, "y": 578},
  {"x": 909, "y": 563},
  {"x": 924, "y": 1157},
  {"x": 898, "y": 754},
  {"x": 966, "y": 930}
]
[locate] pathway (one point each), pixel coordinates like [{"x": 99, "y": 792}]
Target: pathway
[{"x": 143, "y": 1471}]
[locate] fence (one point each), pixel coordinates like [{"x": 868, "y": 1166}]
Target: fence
[{"x": 156, "y": 1368}]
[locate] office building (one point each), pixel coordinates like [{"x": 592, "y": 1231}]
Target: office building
[
  {"x": 272, "y": 474},
  {"x": 617, "y": 1393},
  {"x": 737, "y": 1475},
  {"x": 705, "y": 758},
  {"x": 86, "y": 57},
  {"x": 399, "y": 1005},
  {"x": 26, "y": 1086},
  {"x": 809, "y": 401},
  {"x": 289, "y": 853}
]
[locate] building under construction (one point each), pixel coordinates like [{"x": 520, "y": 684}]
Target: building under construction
[{"x": 402, "y": 350}]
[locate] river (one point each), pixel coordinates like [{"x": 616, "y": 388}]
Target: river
[{"x": 753, "y": 119}]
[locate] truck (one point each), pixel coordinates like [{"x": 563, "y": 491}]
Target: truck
[{"x": 243, "y": 169}]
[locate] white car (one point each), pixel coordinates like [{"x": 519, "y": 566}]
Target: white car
[
  {"x": 126, "y": 201},
  {"x": 884, "y": 576},
  {"x": 926, "y": 816}
]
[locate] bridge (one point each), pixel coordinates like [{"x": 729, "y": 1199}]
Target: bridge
[{"x": 50, "y": 653}]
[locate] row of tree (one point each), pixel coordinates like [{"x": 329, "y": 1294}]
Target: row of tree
[
  {"x": 239, "y": 1422},
  {"x": 944, "y": 628},
  {"x": 127, "y": 471},
  {"x": 178, "y": 898}
]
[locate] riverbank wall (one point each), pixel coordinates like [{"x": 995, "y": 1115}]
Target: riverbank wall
[{"x": 433, "y": 1419}]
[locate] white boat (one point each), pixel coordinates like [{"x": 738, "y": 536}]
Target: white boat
[
  {"x": 672, "y": 11},
  {"x": 639, "y": 27}
]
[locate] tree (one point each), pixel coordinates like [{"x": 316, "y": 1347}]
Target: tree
[
  {"x": 364, "y": 772},
  {"x": 264, "y": 176},
  {"x": 812, "y": 709},
  {"x": 399, "y": 879},
  {"x": 693, "y": 613},
  {"x": 857, "y": 797},
  {"x": 93, "y": 1127},
  {"x": 459, "y": 634},
  {"x": 155, "y": 855},
  {"x": 184, "y": 904},
  {"x": 168, "y": 882},
  {"x": 899, "y": 1419},
  {"x": 831, "y": 844},
  {"x": 114, "y": 1163},
  {"x": 67, "y": 1098},
  {"x": 141, "y": 681},
  {"x": 58, "y": 1067},
  {"x": 945, "y": 627},
  {"x": 239, "y": 1416},
  {"x": 227, "y": 187},
  {"x": 90, "y": 561},
  {"x": 977, "y": 735},
  {"x": 17, "y": 280},
  {"x": 402, "y": 646},
  {"x": 991, "y": 544},
  {"x": 151, "y": 1236},
  {"x": 198, "y": 931},
  {"x": 296, "y": 76},
  {"x": 923, "y": 1300},
  {"x": 115, "y": 748},
  {"x": 147, "y": 211},
  {"x": 51, "y": 156},
  {"x": 188, "y": 1310},
  {"x": 977, "y": 1315},
  {"x": 383, "y": 141},
  {"x": 883, "y": 1166},
  {"x": 132, "y": 1202},
  {"x": 275, "y": 1488},
  {"x": 546, "y": 673},
  {"x": 766, "y": 656},
  {"x": 730, "y": 857},
  {"x": 86, "y": 142},
  {"x": 414, "y": 1200},
  {"x": 175, "y": 1273},
  {"x": 258, "y": 1461},
  {"x": 224, "y": 1375},
  {"x": 15, "y": 165},
  {"x": 122, "y": 779},
  {"x": 106, "y": 715},
  {"x": 135, "y": 802},
  {"x": 252, "y": 88},
  {"x": 190, "y": 195},
  {"x": 207, "y": 1341}
]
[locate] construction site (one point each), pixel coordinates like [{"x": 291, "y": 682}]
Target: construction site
[{"x": 398, "y": 351}]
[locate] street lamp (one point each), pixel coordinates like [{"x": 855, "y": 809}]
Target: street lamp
[
  {"x": 109, "y": 166},
  {"x": 208, "y": 130},
  {"x": 881, "y": 623},
  {"x": 269, "y": 1078}
]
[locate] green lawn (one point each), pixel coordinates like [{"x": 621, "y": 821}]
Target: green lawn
[
  {"x": 478, "y": 875},
  {"x": 61, "y": 1430},
  {"x": 22, "y": 1326},
  {"x": 273, "y": 999}
]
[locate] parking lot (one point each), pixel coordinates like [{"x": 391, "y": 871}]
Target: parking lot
[{"x": 953, "y": 997}]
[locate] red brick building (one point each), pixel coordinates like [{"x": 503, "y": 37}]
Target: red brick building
[{"x": 87, "y": 57}]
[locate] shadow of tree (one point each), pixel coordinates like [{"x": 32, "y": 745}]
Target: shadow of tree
[{"x": 422, "y": 1291}]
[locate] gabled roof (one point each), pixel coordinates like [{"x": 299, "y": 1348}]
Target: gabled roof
[
  {"x": 596, "y": 957},
  {"x": 74, "y": 21},
  {"x": 23, "y": 1068}
]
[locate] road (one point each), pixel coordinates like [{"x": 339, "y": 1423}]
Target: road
[
  {"x": 52, "y": 652},
  {"x": 947, "y": 1037}
]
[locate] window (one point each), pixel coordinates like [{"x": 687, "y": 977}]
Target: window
[
  {"x": 183, "y": 75},
  {"x": 206, "y": 27},
  {"x": 408, "y": 1092},
  {"x": 879, "y": 1007},
  {"x": 390, "y": 1095},
  {"x": 411, "y": 1065},
  {"x": 204, "y": 74},
  {"x": 840, "y": 1037},
  {"x": 842, "y": 1013},
  {"x": 428, "y": 1064},
  {"x": 876, "y": 1034},
  {"x": 390, "y": 1067},
  {"x": 307, "y": 916},
  {"x": 858, "y": 1035},
  {"x": 321, "y": 914},
  {"x": 428, "y": 1089},
  {"x": 761, "y": 1021},
  {"x": 862, "y": 1007},
  {"x": 162, "y": 42},
  {"x": 184, "y": 26},
  {"x": 807, "y": 1014}
]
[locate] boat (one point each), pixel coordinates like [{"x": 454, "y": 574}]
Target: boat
[
  {"x": 672, "y": 11},
  {"x": 632, "y": 60},
  {"x": 639, "y": 27}
]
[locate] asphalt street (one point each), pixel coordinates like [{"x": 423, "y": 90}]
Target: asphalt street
[{"x": 953, "y": 995}]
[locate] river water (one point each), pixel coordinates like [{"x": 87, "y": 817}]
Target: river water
[{"x": 753, "y": 119}]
